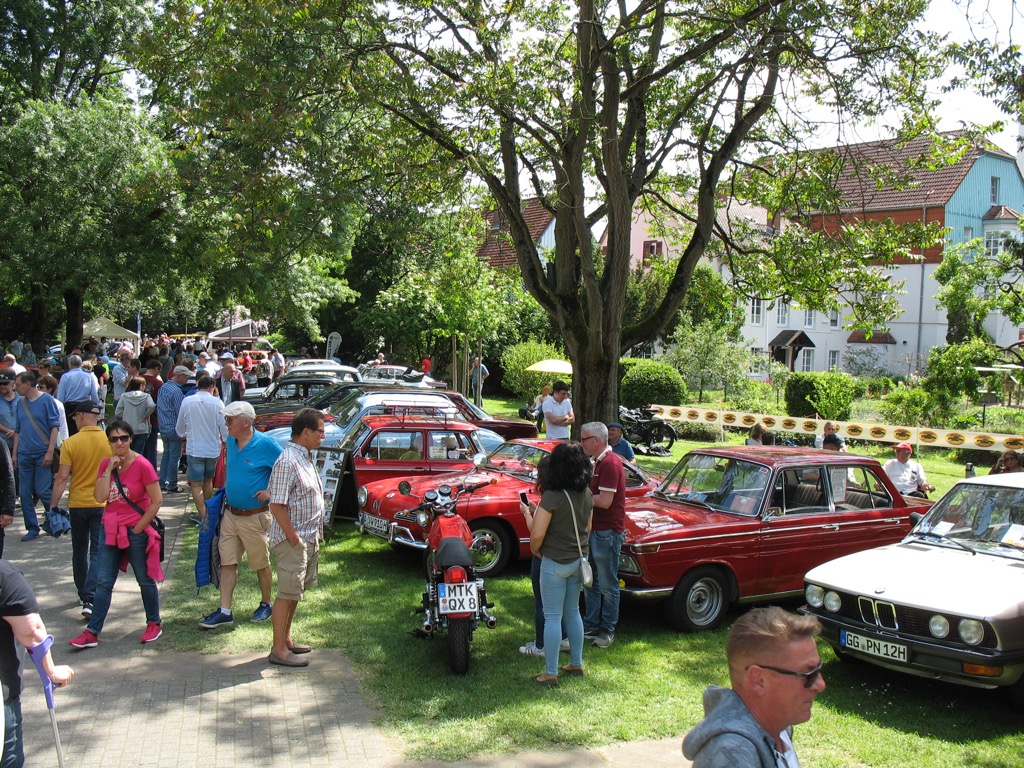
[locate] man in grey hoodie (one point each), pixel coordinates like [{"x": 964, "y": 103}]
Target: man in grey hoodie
[{"x": 775, "y": 673}]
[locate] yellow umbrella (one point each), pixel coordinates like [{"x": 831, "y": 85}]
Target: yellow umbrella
[{"x": 562, "y": 367}]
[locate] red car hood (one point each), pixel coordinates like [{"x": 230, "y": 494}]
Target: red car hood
[{"x": 650, "y": 519}]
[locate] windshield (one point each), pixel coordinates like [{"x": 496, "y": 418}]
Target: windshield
[
  {"x": 717, "y": 482},
  {"x": 516, "y": 459},
  {"x": 353, "y": 435},
  {"x": 991, "y": 515}
]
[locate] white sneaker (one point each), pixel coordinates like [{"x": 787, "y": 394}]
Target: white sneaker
[
  {"x": 531, "y": 649},
  {"x": 564, "y": 647}
]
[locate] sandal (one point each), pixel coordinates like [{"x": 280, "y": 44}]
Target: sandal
[
  {"x": 569, "y": 669},
  {"x": 551, "y": 681},
  {"x": 299, "y": 648}
]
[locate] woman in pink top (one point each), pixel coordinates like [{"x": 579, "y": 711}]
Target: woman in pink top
[{"x": 127, "y": 483}]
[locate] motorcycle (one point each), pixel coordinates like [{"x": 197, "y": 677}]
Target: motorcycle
[
  {"x": 454, "y": 600},
  {"x": 648, "y": 435}
]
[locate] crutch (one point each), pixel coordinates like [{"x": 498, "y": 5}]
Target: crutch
[{"x": 37, "y": 653}]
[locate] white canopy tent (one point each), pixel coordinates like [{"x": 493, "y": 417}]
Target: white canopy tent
[{"x": 103, "y": 326}]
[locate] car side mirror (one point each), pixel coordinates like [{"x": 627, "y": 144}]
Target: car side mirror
[
  {"x": 774, "y": 511},
  {"x": 479, "y": 459}
]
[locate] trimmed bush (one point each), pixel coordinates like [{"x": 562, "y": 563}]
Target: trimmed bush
[
  {"x": 516, "y": 358},
  {"x": 649, "y": 381},
  {"x": 697, "y": 430},
  {"x": 830, "y": 395}
]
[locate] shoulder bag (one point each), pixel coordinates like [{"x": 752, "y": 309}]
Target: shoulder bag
[
  {"x": 586, "y": 571},
  {"x": 157, "y": 524}
]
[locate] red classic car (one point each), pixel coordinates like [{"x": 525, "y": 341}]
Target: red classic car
[
  {"x": 739, "y": 525},
  {"x": 492, "y": 512}
]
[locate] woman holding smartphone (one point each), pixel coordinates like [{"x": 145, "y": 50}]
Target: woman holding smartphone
[
  {"x": 130, "y": 487},
  {"x": 559, "y": 535}
]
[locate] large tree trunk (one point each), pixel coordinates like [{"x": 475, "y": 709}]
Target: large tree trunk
[
  {"x": 37, "y": 321},
  {"x": 74, "y": 301}
]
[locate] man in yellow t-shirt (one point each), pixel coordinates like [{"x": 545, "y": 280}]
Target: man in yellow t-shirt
[{"x": 80, "y": 457}]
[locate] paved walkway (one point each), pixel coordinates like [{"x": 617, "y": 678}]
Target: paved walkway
[{"x": 135, "y": 705}]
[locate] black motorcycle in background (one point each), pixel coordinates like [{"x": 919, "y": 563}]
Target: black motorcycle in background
[{"x": 645, "y": 433}]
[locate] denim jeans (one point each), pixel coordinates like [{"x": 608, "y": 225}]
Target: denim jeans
[
  {"x": 107, "y": 563},
  {"x": 139, "y": 443},
  {"x": 149, "y": 451},
  {"x": 169, "y": 460},
  {"x": 538, "y": 604},
  {"x": 86, "y": 529},
  {"x": 36, "y": 481},
  {"x": 560, "y": 590},
  {"x": 602, "y": 599},
  {"x": 14, "y": 748}
]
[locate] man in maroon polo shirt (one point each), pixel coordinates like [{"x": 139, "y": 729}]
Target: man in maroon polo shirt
[{"x": 606, "y": 536}]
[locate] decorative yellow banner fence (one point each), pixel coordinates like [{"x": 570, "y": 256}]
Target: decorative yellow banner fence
[{"x": 882, "y": 433}]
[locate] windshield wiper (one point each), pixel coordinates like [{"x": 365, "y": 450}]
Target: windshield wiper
[{"x": 942, "y": 537}]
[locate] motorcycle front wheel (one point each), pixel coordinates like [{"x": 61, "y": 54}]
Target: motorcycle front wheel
[
  {"x": 459, "y": 632},
  {"x": 661, "y": 437}
]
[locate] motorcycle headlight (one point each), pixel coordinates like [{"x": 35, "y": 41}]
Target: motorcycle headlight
[
  {"x": 971, "y": 631},
  {"x": 814, "y": 595},
  {"x": 832, "y": 602},
  {"x": 362, "y": 495},
  {"x": 938, "y": 625}
]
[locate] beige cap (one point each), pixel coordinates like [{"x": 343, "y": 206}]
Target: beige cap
[{"x": 239, "y": 408}]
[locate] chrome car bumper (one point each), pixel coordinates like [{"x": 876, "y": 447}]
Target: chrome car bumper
[
  {"x": 926, "y": 659},
  {"x": 395, "y": 534},
  {"x": 645, "y": 594}
]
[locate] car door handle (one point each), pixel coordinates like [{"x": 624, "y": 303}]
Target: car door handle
[{"x": 831, "y": 526}]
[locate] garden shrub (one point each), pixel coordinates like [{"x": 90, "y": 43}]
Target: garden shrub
[
  {"x": 908, "y": 406},
  {"x": 516, "y": 358},
  {"x": 830, "y": 395},
  {"x": 755, "y": 397},
  {"x": 626, "y": 364},
  {"x": 650, "y": 381},
  {"x": 697, "y": 430}
]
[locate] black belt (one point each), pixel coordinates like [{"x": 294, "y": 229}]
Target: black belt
[{"x": 245, "y": 512}]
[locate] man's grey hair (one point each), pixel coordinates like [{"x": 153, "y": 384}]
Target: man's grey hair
[
  {"x": 74, "y": 361},
  {"x": 597, "y": 429}
]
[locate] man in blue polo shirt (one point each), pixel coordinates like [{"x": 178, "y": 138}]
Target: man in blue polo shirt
[{"x": 245, "y": 524}]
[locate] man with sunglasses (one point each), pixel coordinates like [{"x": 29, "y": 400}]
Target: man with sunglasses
[{"x": 775, "y": 673}]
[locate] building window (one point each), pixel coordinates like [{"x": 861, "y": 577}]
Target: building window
[
  {"x": 756, "y": 353},
  {"x": 994, "y": 190},
  {"x": 833, "y": 318},
  {"x": 652, "y": 249},
  {"x": 833, "y": 360},
  {"x": 807, "y": 360},
  {"x": 782, "y": 316},
  {"x": 756, "y": 312},
  {"x": 994, "y": 243},
  {"x": 808, "y": 318},
  {"x": 968, "y": 234}
]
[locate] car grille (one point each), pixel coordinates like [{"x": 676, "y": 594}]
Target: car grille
[
  {"x": 407, "y": 516},
  {"x": 881, "y": 614}
]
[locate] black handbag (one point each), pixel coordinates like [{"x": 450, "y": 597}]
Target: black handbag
[{"x": 156, "y": 523}]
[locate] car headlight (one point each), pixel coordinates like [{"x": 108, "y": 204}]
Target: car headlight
[
  {"x": 972, "y": 631},
  {"x": 832, "y": 601},
  {"x": 627, "y": 564},
  {"x": 814, "y": 595},
  {"x": 938, "y": 625},
  {"x": 423, "y": 518},
  {"x": 362, "y": 496}
]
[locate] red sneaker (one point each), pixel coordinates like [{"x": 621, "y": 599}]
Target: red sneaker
[
  {"x": 85, "y": 640},
  {"x": 153, "y": 631}
]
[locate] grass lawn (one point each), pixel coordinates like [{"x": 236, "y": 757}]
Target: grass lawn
[{"x": 647, "y": 685}]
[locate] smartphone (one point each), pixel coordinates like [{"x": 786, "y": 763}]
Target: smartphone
[{"x": 522, "y": 498}]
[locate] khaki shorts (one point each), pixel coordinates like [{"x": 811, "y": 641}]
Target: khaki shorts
[
  {"x": 296, "y": 567},
  {"x": 245, "y": 535}
]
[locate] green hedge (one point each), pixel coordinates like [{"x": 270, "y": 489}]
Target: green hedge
[
  {"x": 830, "y": 395},
  {"x": 516, "y": 358},
  {"x": 648, "y": 381}
]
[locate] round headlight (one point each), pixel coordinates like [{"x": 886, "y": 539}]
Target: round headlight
[
  {"x": 971, "y": 631},
  {"x": 423, "y": 518},
  {"x": 814, "y": 595},
  {"x": 832, "y": 601},
  {"x": 362, "y": 496},
  {"x": 938, "y": 625}
]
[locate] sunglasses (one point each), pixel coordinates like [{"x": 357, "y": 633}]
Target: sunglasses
[
  {"x": 119, "y": 439},
  {"x": 809, "y": 678}
]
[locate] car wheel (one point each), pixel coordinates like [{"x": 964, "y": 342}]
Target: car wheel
[
  {"x": 661, "y": 437},
  {"x": 699, "y": 602},
  {"x": 459, "y": 634},
  {"x": 492, "y": 547}
]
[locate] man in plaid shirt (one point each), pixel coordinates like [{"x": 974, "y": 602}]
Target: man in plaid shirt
[{"x": 297, "y": 504}]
